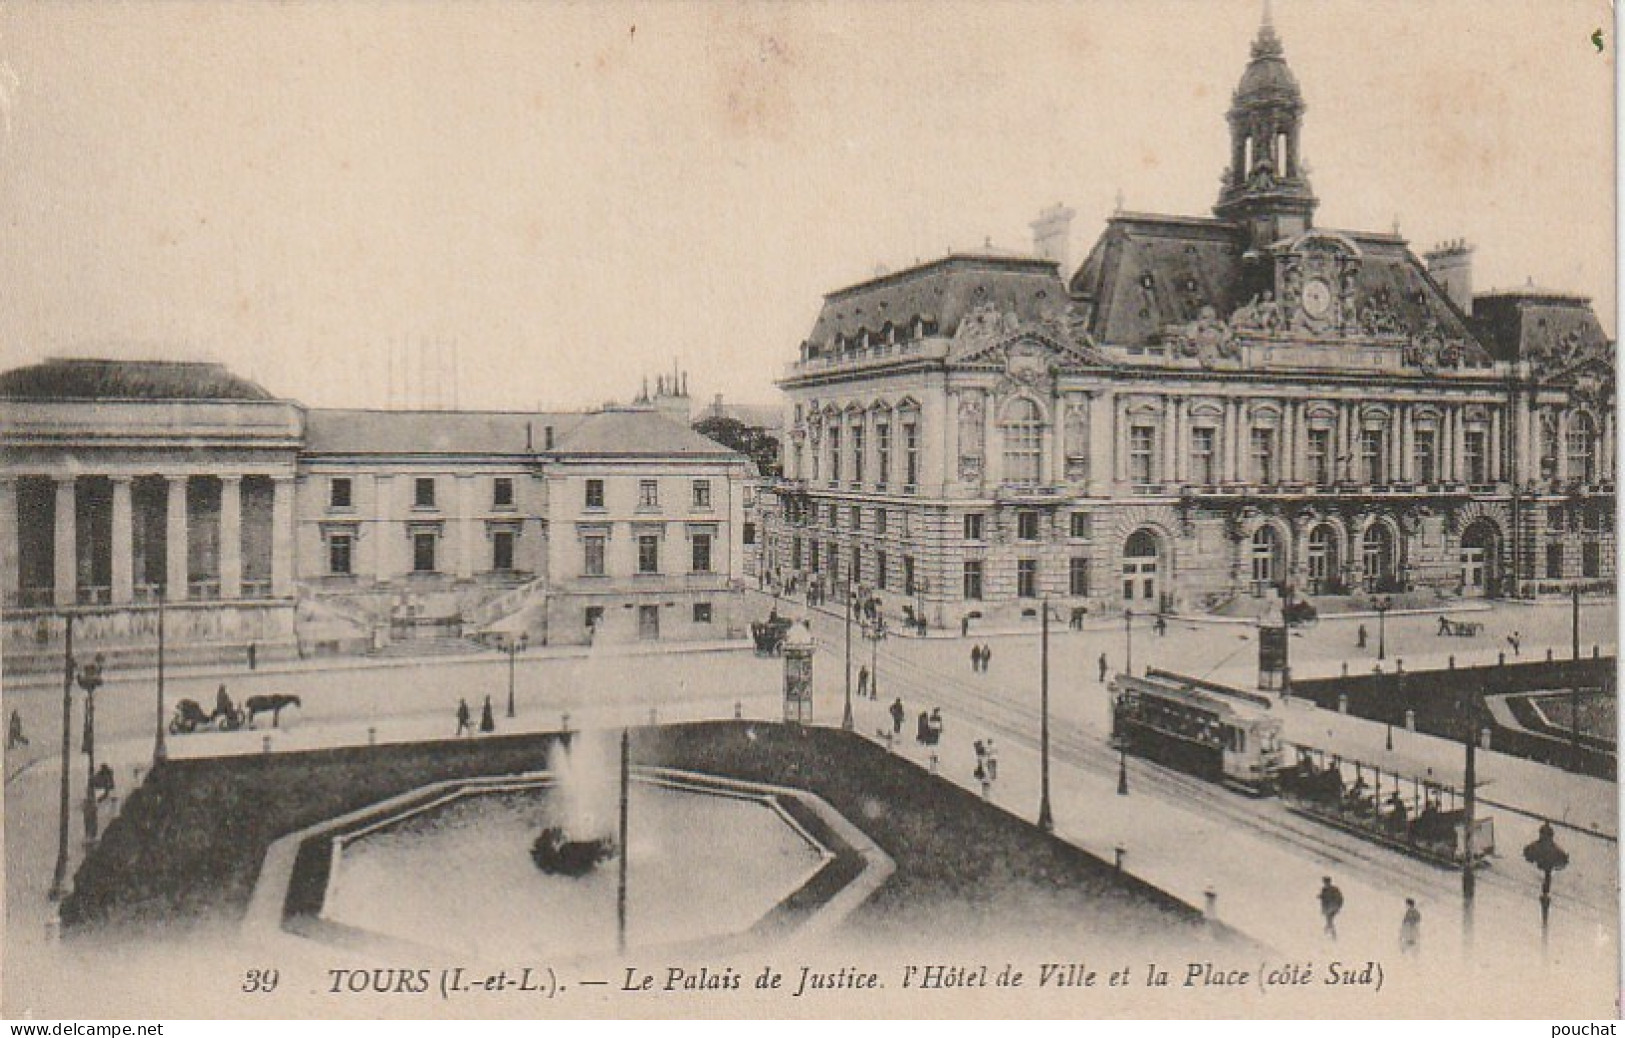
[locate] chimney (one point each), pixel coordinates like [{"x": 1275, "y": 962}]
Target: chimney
[
  {"x": 1451, "y": 265},
  {"x": 547, "y": 437},
  {"x": 1052, "y": 234}
]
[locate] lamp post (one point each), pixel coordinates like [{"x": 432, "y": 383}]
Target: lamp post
[
  {"x": 1382, "y": 604},
  {"x": 874, "y": 631},
  {"x": 1545, "y": 855},
  {"x": 159, "y": 752},
  {"x": 60, "y": 875},
  {"x": 513, "y": 645},
  {"x": 90, "y": 679},
  {"x": 1128, "y": 635},
  {"x": 1046, "y": 820},
  {"x": 846, "y": 712}
]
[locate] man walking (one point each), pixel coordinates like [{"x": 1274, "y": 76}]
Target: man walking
[
  {"x": 987, "y": 657},
  {"x": 897, "y": 715},
  {"x": 463, "y": 727},
  {"x": 1410, "y": 928},
  {"x": 863, "y": 680},
  {"x": 1103, "y": 668},
  {"x": 1331, "y": 903},
  {"x": 975, "y": 658}
]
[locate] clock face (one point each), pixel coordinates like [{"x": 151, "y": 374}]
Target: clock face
[{"x": 1317, "y": 297}]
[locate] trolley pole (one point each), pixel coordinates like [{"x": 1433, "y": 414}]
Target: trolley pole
[
  {"x": 846, "y": 714},
  {"x": 620, "y": 886},
  {"x": 60, "y": 876},
  {"x": 159, "y": 752},
  {"x": 1046, "y": 820}
]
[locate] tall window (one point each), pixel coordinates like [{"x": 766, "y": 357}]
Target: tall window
[
  {"x": 1372, "y": 456},
  {"x": 502, "y": 492},
  {"x": 1026, "y": 578},
  {"x": 881, "y": 576},
  {"x": 973, "y": 580},
  {"x": 1027, "y": 525},
  {"x": 592, "y": 547},
  {"x": 1320, "y": 456},
  {"x": 702, "y": 493},
  {"x": 338, "y": 554},
  {"x": 1581, "y": 448},
  {"x": 423, "y": 552},
  {"x": 1548, "y": 445},
  {"x": 880, "y": 522},
  {"x": 813, "y": 556},
  {"x": 1203, "y": 469},
  {"x": 1477, "y": 468},
  {"x": 1322, "y": 559},
  {"x": 1023, "y": 442},
  {"x": 648, "y": 493},
  {"x": 835, "y": 453},
  {"x": 857, "y": 563},
  {"x": 338, "y": 492},
  {"x": 1141, "y": 449},
  {"x": 423, "y": 492},
  {"x": 1425, "y": 456},
  {"x": 882, "y": 453},
  {"x": 1080, "y": 526},
  {"x": 1554, "y": 561},
  {"x": 911, "y": 456},
  {"x": 701, "y": 561},
  {"x": 1264, "y": 555},
  {"x": 1591, "y": 559},
  {"x": 908, "y": 574},
  {"x": 973, "y": 526},
  {"x": 502, "y": 551},
  {"x": 1377, "y": 554},
  {"x": 1078, "y": 576},
  {"x": 595, "y": 493},
  {"x": 648, "y": 553},
  {"x": 1263, "y": 444},
  {"x": 857, "y": 452}
]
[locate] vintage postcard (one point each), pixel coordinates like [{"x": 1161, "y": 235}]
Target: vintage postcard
[{"x": 825, "y": 509}]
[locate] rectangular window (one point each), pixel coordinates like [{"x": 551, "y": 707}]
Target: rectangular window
[
  {"x": 1424, "y": 456},
  {"x": 702, "y": 493},
  {"x": 1026, "y": 578},
  {"x": 502, "y": 551},
  {"x": 593, "y": 616},
  {"x": 592, "y": 563},
  {"x": 423, "y": 492},
  {"x": 338, "y": 492},
  {"x": 1027, "y": 526},
  {"x": 1142, "y": 442},
  {"x": 857, "y": 563},
  {"x": 648, "y": 623},
  {"x": 911, "y": 456},
  {"x": 1554, "y": 561},
  {"x": 973, "y": 580},
  {"x": 880, "y": 522},
  {"x": 1078, "y": 576},
  {"x": 814, "y": 556},
  {"x": 856, "y": 515},
  {"x": 1477, "y": 467},
  {"x": 882, "y": 454},
  {"x": 748, "y": 533},
  {"x": 835, "y": 454},
  {"x": 702, "y": 612},
  {"x": 908, "y": 574},
  {"x": 338, "y": 554},
  {"x": 648, "y": 553},
  {"x": 1203, "y": 469},
  {"x": 1263, "y": 444},
  {"x": 881, "y": 576},
  {"x": 832, "y": 557},
  {"x": 1590, "y": 559},
  {"x": 595, "y": 493},
  {"x": 1320, "y": 456},
  {"x": 795, "y": 552},
  {"x": 857, "y": 454},
  {"x": 1080, "y": 526},
  {"x": 423, "y": 552},
  {"x": 973, "y": 526},
  {"x": 702, "y": 553},
  {"x": 648, "y": 493},
  {"x": 1372, "y": 456},
  {"x": 502, "y": 492}
]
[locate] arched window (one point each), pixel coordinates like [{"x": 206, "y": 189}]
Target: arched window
[
  {"x": 1582, "y": 448},
  {"x": 1023, "y": 442}
]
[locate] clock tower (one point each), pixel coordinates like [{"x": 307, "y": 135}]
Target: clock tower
[{"x": 1265, "y": 188}]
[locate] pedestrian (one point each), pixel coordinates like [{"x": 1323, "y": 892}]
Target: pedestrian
[
  {"x": 987, "y": 784},
  {"x": 463, "y": 727},
  {"x": 14, "y": 733},
  {"x": 863, "y": 680},
  {"x": 253, "y": 654},
  {"x": 1410, "y": 928},
  {"x": 987, "y": 657},
  {"x": 975, "y": 658},
  {"x": 488, "y": 722},
  {"x": 102, "y": 782},
  {"x": 1331, "y": 903},
  {"x": 897, "y": 715},
  {"x": 981, "y": 755},
  {"x": 992, "y": 760},
  {"x": 1359, "y": 637},
  {"x": 964, "y": 626},
  {"x": 1515, "y": 639},
  {"x": 1103, "y": 668}
]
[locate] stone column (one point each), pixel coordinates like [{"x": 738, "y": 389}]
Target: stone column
[
  {"x": 1458, "y": 447},
  {"x": 176, "y": 548},
  {"x": 1100, "y": 442},
  {"x": 10, "y": 577},
  {"x": 1524, "y": 463},
  {"x": 231, "y": 537},
  {"x": 66, "y": 581},
  {"x": 465, "y": 527},
  {"x": 123, "y": 542},
  {"x": 1407, "y": 444},
  {"x": 1168, "y": 436},
  {"x": 1232, "y": 433},
  {"x": 1495, "y": 448},
  {"x": 282, "y": 536},
  {"x": 1120, "y": 436},
  {"x": 1180, "y": 472}
]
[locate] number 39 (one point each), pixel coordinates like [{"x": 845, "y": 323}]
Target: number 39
[{"x": 260, "y": 982}]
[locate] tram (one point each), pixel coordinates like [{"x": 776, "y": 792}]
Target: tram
[{"x": 1178, "y": 722}]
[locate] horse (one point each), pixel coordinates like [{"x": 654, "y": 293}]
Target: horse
[{"x": 271, "y": 704}]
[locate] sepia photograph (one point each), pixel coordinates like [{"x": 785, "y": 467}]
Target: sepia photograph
[{"x": 998, "y": 510}]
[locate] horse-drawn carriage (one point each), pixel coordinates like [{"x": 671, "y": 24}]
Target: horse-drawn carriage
[
  {"x": 1300, "y": 612},
  {"x": 1449, "y": 628},
  {"x": 769, "y": 635},
  {"x": 189, "y": 717}
]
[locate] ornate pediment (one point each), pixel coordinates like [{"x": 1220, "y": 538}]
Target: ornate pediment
[
  {"x": 989, "y": 336},
  {"x": 1591, "y": 381}
]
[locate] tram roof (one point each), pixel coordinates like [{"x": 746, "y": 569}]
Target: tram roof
[{"x": 1172, "y": 689}]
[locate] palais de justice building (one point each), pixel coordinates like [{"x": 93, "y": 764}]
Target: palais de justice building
[{"x": 1207, "y": 409}]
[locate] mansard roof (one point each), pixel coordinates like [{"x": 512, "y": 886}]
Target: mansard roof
[
  {"x": 75, "y": 378},
  {"x": 1553, "y": 331},
  {"x": 350, "y": 432},
  {"x": 940, "y": 293},
  {"x": 1148, "y": 271}
]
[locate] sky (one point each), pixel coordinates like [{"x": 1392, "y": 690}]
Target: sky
[{"x": 567, "y": 197}]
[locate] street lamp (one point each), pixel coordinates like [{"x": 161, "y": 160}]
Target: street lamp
[
  {"x": 846, "y": 712},
  {"x": 874, "y": 631},
  {"x": 1128, "y": 634},
  {"x": 513, "y": 645},
  {"x": 1545, "y": 855},
  {"x": 1382, "y": 604},
  {"x": 90, "y": 679},
  {"x": 60, "y": 876},
  {"x": 1046, "y": 820},
  {"x": 159, "y": 752}
]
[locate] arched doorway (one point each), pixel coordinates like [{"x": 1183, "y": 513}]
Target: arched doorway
[
  {"x": 1142, "y": 557},
  {"x": 1267, "y": 568},
  {"x": 1324, "y": 564},
  {"x": 1481, "y": 559},
  {"x": 1377, "y": 553}
]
